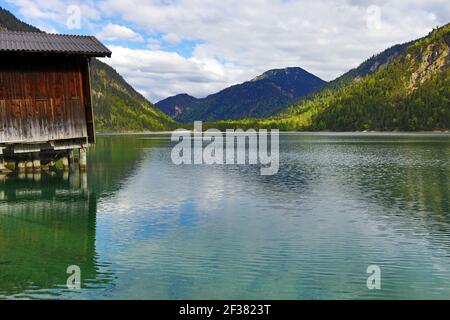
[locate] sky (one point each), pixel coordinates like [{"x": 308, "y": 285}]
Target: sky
[{"x": 167, "y": 47}]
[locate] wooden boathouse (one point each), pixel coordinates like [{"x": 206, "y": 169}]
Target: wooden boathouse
[{"x": 45, "y": 98}]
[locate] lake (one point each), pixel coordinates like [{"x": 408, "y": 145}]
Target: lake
[{"x": 140, "y": 227}]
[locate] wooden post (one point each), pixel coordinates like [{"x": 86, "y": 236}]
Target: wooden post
[
  {"x": 83, "y": 159},
  {"x": 88, "y": 100},
  {"x": 65, "y": 175},
  {"x": 3, "y": 168},
  {"x": 36, "y": 163},
  {"x": 84, "y": 182},
  {"x": 71, "y": 159},
  {"x": 65, "y": 163},
  {"x": 21, "y": 166},
  {"x": 29, "y": 166}
]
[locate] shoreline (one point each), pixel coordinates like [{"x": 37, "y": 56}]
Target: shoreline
[{"x": 368, "y": 133}]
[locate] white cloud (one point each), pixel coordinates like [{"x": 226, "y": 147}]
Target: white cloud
[
  {"x": 325, "y": 37},
  {"x": 47, "y": 28},
  {"x": 35, "y": 11},
  {"x": 171, "y": 38},
  {"x": 153, "y": 44},
  {"x": 150, "y": 72},
  {"x": 114, "y": 32},
  {"x": 55, "y": 11},
  {"x": 237, "y": 40}
]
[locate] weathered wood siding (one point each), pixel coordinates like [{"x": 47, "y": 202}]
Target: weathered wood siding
[{"x": 41, "y": 99}]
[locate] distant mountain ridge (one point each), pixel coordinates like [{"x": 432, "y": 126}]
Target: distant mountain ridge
[
  {"x": 178, "y": 106},
  {"x": 117, "y": 106},
  {"x": 263, "y": 96}
]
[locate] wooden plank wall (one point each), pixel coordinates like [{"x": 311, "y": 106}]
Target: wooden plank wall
[{"x": 41, "y": 99}]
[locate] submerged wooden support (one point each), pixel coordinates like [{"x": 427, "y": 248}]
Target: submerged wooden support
[
  {"x": 36, "y": 163},
  {"x": 47, "y": 158},
  {"x": 84, "y": 182},
  {"x": 21, "y": 165},
  {"x": 3, "y": 168},
  {"x": 29, "y": 166},
  {"x": 65, "y": 163},
  {"x": 83, "y": 159}
]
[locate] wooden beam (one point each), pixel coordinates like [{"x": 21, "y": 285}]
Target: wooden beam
[{"x": 88, "y": 101}]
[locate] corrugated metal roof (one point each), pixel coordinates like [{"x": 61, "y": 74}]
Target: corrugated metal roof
[{"x": 52, "y": 43}]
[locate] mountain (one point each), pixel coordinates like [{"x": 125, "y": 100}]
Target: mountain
[
  {"x": 177, "y": 106},
  {"x": 9, "y": 22},
  {"x": 117, "y": 106},
  {"x": 370, "y": 66},
  {"x": 263, "y": 96},
  {"x": 404, "y": 88}
]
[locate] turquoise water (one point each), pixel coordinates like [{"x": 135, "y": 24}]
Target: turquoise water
[{"x": 140, "y": 227}]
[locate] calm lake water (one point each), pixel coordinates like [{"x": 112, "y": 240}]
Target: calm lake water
[{"x": 140, "y": 227}]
